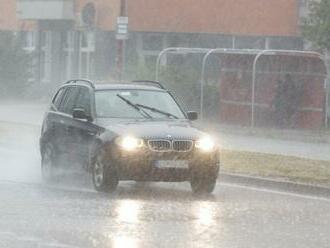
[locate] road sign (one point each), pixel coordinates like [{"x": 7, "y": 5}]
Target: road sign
[
  {"x": 122, "y": 20},
  {"x": 122, "y": 28}
]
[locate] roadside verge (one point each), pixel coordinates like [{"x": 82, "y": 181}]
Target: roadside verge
[
  {"x": 272, "y": 171},
  {"x": 272, "y": 184}
]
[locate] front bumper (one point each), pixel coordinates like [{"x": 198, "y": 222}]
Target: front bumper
[{"x": 141, "y": 165}]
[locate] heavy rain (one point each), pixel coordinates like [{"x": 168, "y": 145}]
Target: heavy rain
[{"x": 148, "y": 123}]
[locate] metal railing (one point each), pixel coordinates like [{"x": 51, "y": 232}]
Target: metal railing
[
  {"x": 258, "y": 54},
  {"x": 177, "y": 50}
]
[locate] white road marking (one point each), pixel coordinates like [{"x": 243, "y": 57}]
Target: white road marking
[{"x": 276, "y": 192}]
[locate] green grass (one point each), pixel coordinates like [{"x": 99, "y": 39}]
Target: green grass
[{"x": 277, "y": 166}]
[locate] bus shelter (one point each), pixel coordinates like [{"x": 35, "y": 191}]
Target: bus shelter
[
  {"x": 251, "y": 86},
  {"x": 284, "y": 89}
]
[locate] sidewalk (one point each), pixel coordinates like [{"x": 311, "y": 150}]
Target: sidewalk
[
  {"x": 308, "y": 144},
  {"x": 309, "y": 150},
  {"x": 307, "y": 136}
]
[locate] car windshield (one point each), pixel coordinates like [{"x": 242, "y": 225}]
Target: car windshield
[{"x": 112, "y": 104}]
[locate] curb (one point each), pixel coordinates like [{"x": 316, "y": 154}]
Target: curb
[
  {"x": 306, "y": 136},
  {"x": 291, "y": 187}
]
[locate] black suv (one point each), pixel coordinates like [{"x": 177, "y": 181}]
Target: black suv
[{"x": 125, "y": 131}]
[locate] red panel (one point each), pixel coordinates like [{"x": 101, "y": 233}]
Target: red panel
[
  {"x": 254, "y": 17},
  {"x": 235, "y": 93},
  {"x": 237, "y": 115}
]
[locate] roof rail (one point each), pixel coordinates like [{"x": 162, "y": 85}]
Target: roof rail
[
  {"x": 150, "y": 82},
  {"x": 90, "y": 83}
]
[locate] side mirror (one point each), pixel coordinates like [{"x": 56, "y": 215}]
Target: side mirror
[
  {"x": 80, "y": 113},
  {"x": 192, "y": 115}
]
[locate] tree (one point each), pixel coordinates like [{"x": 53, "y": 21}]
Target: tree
[
  {"x": 316, "y": 27},
  {"x": 14, "y": 65}
]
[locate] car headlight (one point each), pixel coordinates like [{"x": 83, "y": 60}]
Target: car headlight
[
  {"x": 129, "y": 143},
  {"x": 205, "y": 144}
]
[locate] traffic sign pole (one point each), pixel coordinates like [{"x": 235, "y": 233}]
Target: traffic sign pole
[{"x": 121, "y": 36}]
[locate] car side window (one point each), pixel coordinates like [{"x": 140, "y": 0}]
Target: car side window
[
  {"x": 58, "y": 98},
  {"x": 67, "y": 104},
  {"x": 84, "y": 100}
]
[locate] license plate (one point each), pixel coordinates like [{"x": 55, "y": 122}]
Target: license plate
[{"x": 182, "y": 164}]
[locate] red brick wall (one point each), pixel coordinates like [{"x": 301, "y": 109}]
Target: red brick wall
[
  {"x": 245, "y": 17},
  {"x": 8, "y": 20},
  {"x": 253, "y": 17}
]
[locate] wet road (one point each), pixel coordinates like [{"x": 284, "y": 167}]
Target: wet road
[
  {"x": 159, "y": 215},
  {"x": 72, "y": 214}
]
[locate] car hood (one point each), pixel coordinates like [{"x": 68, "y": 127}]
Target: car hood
[{"x": 176, "y": 129}]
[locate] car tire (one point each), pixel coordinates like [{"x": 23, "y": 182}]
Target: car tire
[
  {"x": 48, "y": 163},
  {"x": 105, "y": 176},
  {"x": 202, "y": 184}
]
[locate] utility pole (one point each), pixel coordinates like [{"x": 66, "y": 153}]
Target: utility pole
[{"x": 122, "y": 22}]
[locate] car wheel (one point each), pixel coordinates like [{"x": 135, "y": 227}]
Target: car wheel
[
  {"x": 105, "y": 177},
  {"x": 48, "y": 163},
  {"x": 202, "y": 184}
]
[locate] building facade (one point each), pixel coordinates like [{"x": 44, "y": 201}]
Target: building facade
[{"x": 77, "y": 38}]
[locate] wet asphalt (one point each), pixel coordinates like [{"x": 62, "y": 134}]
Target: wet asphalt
[
  {"x": 71, "y": 213},
  {"x": 158, "y": 215}
]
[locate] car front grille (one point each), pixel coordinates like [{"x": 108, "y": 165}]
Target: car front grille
[
  {"x": 167, "y": 145},
  {"x": 159, "y": 145},
  {"x": 182, "y": 145}
]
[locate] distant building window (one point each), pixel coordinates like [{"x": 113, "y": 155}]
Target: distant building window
[
  {"x": 245, "y": 42},
  {"x": 45, "y": 57},
  {"x": 68, "y": 44},
  {"x": 86, "y": 54},
  {"x": 150, "y": 45},
  {"x": 151, "y": 42},
  {"x": 286, "y": 43},
  {"x": 29, "y": 41}
]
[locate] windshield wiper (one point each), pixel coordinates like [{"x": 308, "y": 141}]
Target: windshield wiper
[
  {"x": 157, "y": 110},
  {"x": 135, "y": 106}
]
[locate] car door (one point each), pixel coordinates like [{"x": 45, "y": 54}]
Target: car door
[
  {"x": 50, "y": 125},
  {"x": 84, "y": 131},
  {"x": 65, "y": 125}
]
